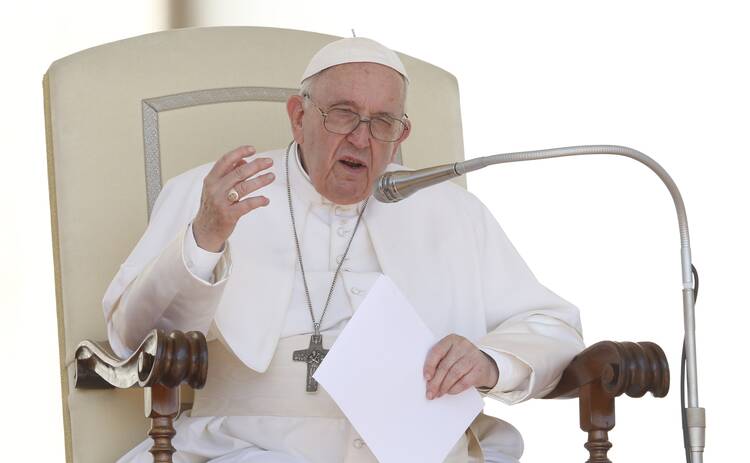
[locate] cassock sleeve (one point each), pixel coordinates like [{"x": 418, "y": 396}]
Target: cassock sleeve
[
  {"x": 526, "y": 322},
  {"x": 202, "y": 263},
  {"x": 159, "y": 285},
  {"x": 513, "y": 374}
]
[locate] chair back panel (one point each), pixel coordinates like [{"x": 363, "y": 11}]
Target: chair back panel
[{"x": 124, "y": 117}]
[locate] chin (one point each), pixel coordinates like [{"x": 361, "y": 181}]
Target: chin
[
  {"x": 347, "y": 200},
  {"x": 346, "y": 197}
]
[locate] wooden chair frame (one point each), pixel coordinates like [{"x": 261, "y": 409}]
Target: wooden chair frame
[{"x": 163, "y": 362}]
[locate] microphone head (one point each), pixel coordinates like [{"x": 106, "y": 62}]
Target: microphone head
[
  {"x": 384, "y": 189},
  {"x": 394, "y": 186}
]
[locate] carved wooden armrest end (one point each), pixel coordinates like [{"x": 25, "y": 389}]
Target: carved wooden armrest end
[
  {"x": 607, "y": 370},
  {"x": 159, "y": 365},
  {"x": 631, "y": 368},
  {"x": 161, "y": 359}
]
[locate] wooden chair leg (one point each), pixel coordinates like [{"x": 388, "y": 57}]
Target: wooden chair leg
[
  {"x": 597, "y": 418},
  {"x": 162, "y": 406},
  {"x": 598, "y": 445}
]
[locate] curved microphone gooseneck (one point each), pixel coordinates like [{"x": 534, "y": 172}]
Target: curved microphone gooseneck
[{"x": 395, "y": 186}]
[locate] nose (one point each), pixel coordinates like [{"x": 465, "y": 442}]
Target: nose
[{"x": 360, "y": 136}]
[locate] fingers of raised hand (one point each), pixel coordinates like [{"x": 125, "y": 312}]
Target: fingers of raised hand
[
  {"x": 246, "y": 187},
  {"x": 229, "y": 160},
  {"x": 248, "y": 204},
  {"x": 240, "y": 177},
  {"x": 218, "y": 215}
]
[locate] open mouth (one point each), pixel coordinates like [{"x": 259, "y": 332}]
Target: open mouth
[{"x": 352, "y": 163}]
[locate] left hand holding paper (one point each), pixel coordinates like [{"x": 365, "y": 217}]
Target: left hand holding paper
[{"x": 454, "y": 365}]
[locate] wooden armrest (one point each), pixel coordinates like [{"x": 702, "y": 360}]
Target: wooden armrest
[
  {"x": 160, "y": 364},
  {"x": 607, "y": 370},
  {"x": 633, "y": 368},
  {"x": 161, "y": 359}
]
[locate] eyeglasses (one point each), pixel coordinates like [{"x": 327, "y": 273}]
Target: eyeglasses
[{"x": 343, "y": 122}]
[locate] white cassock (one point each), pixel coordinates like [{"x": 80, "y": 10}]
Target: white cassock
[{"x": 441, "y": 247}]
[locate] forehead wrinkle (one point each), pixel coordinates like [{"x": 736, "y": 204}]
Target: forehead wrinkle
[{"x": 344, "y": 80}]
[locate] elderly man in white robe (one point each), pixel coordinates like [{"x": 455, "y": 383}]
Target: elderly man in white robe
[{"x": 268, "y": 252}]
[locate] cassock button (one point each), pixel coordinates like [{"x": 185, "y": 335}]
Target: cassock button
[
  {"x": 342, "y": 231},
  {"x": 358, "y": 443},
  {"x": 340, "y": 211},
  {"x": 356, "y": 291},
  {"x": 339, "y": 258}
]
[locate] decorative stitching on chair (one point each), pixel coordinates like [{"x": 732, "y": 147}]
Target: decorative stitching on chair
[{"x": 151, "y": 107}]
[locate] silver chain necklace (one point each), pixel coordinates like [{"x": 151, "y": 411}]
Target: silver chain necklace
[{"x": 314, "y": 354}]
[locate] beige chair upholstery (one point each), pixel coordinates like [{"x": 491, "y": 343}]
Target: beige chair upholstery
[{"x": 124, "y": 117}]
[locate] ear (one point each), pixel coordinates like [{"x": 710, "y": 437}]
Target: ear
[
  {"x": 295, "y": 110},
  {"x": 404, "y": 136}
]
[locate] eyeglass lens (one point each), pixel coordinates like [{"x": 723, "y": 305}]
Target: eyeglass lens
[{"x": 343, "y": 121}]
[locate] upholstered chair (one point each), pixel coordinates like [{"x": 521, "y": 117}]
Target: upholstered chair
[{"x": 124, "y": 117}]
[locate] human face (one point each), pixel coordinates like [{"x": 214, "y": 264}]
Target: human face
[{"x": 344, "y": 168}]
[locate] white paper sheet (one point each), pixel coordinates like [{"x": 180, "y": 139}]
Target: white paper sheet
[{"x": 374, "y": 373}]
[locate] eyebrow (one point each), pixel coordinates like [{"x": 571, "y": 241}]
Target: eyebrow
[{"x": 354, "y": 105}]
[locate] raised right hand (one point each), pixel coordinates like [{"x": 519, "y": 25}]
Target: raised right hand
[{"x": 217, "y": 215}]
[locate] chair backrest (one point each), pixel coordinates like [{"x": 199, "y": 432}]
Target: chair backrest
[{"x": 124, "y": 117}]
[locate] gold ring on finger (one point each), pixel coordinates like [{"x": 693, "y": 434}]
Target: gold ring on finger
[{"x": 233, "y": 196}]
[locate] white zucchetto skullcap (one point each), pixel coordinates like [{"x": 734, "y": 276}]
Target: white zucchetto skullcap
[{"x": 353, "y": 50}]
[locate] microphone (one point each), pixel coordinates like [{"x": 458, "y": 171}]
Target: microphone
[{"x": 394, "y": 186}]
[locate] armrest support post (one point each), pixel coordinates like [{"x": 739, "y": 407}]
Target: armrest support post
[
  {"x": 597, "y": 409},
  {"x": 162, "y": 406}
]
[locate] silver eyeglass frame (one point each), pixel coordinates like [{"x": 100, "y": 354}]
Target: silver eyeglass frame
[{"x": 324, "y": 113}]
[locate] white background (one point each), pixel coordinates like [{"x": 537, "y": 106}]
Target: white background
[{"x": 668, "y": 78}]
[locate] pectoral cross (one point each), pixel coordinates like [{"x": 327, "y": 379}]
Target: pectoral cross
[{"x": 313, "y": 355}]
